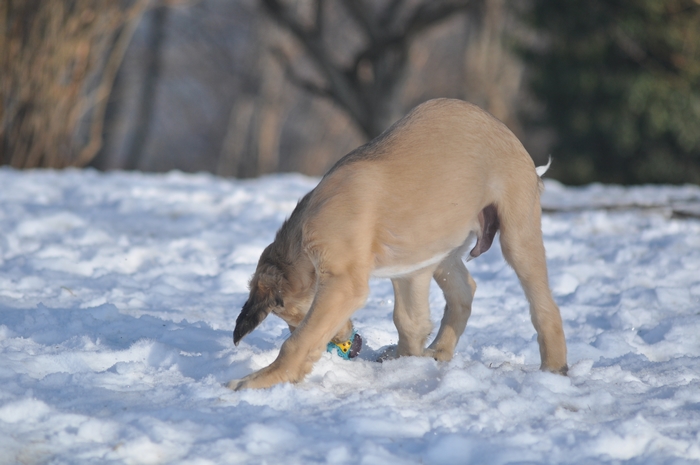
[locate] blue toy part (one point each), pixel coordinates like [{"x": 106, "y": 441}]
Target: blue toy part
[{"x": 348, "y": 349}]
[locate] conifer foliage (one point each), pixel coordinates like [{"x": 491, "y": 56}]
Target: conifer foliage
[{"x": 620, "y": 84}]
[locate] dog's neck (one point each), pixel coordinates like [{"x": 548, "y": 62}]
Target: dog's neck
[{"x": 287, "y": 251}]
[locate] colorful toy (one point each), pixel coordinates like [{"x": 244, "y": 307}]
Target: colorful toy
[{"x": 348, "y": 349}]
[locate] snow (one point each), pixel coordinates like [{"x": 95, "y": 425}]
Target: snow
[{"x": 119, "y": 292}]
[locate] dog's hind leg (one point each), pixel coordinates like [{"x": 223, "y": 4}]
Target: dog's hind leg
[
  {"x": 458, "y": 287},
  {"x": 521, "y": 242},
  {"x": 412, "y": 311}
]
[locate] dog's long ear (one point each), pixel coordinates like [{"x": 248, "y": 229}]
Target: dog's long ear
[
  {"x": 251, "y": 316},
  {"x": 265, "y": 295}
]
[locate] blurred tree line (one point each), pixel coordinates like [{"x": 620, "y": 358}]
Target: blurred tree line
[
  {"x": 245, "y": 87},
  {"x": 620, "y": 84}
]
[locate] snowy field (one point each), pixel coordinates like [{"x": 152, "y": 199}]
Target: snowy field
[{"x": 119, "y": 293}]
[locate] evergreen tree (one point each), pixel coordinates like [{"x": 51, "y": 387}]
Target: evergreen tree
[{"x": 620, "y": 82}]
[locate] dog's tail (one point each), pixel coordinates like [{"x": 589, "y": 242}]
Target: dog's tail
[{"x": 541, "y": 170}]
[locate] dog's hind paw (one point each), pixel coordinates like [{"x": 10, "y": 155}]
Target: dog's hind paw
[
  {"x": 564, "y": 370},
  {"x": 389, "y": 353}
]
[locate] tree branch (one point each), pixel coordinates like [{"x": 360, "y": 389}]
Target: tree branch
[
  {"x": 358, "y": 11},
  {"x": 284, "y": 17},
  {"x": 318, "y": 24},
  {"x": 342, "y": 90},
  {"x": 429, "y": 13},
  {"x": 389, "y": 13},
  {"x": 364, "y": 96},
  {"x": 296, "y": 79}
]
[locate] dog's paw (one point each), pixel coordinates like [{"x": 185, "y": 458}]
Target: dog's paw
[
  {"x": 389, "y": 353},
  {"x": 564, "y": 370},
  {"x": 440, "y": 355},
  {"x": 236, "y": 384}
]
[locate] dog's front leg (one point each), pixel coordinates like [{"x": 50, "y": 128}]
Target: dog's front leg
[{"x": 337, "y": 298}]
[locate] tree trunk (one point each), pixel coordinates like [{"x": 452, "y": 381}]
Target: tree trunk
[{"x": 144, "y": 118}]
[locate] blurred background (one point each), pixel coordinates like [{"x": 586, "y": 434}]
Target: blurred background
[{"x": 609, "y": 88}]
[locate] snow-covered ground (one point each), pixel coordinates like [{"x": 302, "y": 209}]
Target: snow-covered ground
[{"x": 119, "y": 292}]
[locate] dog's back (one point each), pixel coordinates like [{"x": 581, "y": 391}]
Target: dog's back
[{"x": 420, "y": 186}]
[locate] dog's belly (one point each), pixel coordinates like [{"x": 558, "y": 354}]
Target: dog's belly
[
  {"x": 403, "y": 267},
  {"x": 398, "y": 270}
]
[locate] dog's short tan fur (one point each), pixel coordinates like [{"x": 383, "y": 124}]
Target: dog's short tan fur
[{"x": 405, "y": 206}]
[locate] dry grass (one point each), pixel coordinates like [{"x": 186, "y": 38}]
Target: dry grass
[{"x": 58, "y": 60}]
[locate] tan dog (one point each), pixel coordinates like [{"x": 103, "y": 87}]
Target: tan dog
[{"x": 405, "y": 206}]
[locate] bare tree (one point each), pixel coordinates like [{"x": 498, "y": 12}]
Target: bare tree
[
  {"x": 144, "y": 117},
  {"x": 225, "y": 103},
  {"x": 366, "y": 85},
  {"x": 492, "y": 71},
  {"x": 250, "y": 146}
]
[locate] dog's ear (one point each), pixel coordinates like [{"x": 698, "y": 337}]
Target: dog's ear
[
  {"x": 252, "y": 314},
  {"x": 265, "y": 296},
  {"x": 266, "y": 293}
]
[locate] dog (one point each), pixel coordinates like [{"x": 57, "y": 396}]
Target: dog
[{"x": 405, "y": 206}]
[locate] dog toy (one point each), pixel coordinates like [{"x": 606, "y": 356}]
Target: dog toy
[{"x": 348, "y": 349}]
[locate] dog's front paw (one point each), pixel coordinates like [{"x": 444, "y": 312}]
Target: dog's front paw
[
  {"x": 236, "y": 384},
  {"x": 265, "y": 378},
  {"x": 441, "y": 355},
  {"x": 252, "y": 381}
]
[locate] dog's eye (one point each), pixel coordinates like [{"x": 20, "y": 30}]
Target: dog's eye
[{"x": 279, "y": 302}]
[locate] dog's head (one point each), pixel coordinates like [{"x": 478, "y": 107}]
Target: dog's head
[{"x": 266, "y": 293}]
